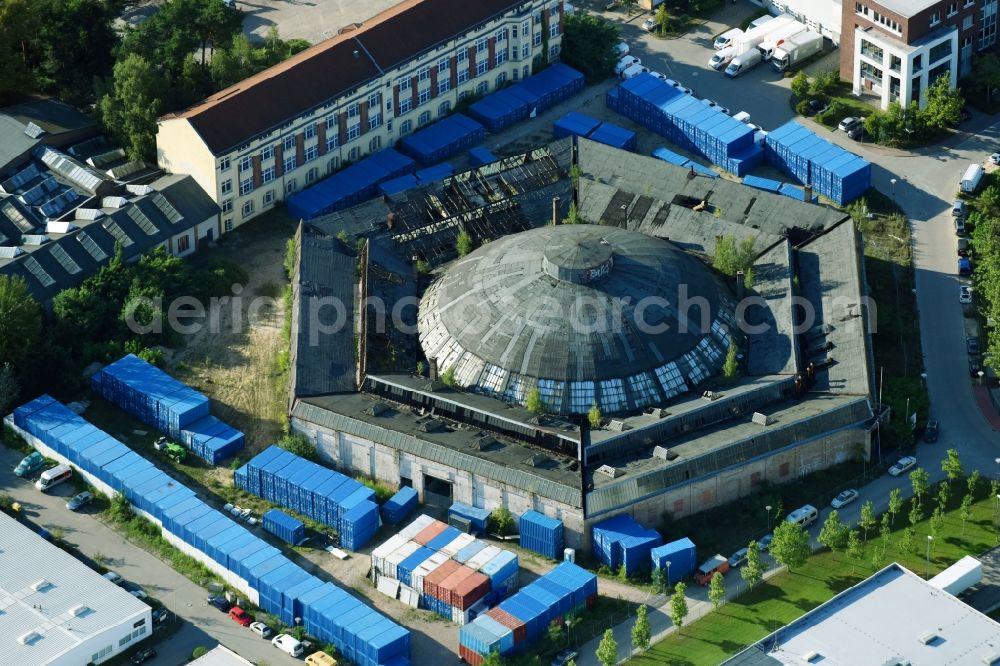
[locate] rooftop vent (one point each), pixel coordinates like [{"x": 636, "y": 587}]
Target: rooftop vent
[
  {"x": 539, "y": 459},
  {"x": 711, "y": 395},
  {"x": 928, "y": 638},
  {"x": 139, "y": 189},
  {"x": 658, "y": 412},
  {"x": 79, "y": 610},
  {"x": 487, "y": 442},
  {"x": 40, "y": 585},
  {"x": 28, "y": 638},
  {"x": 661, "y": 452},
  {"x": 60, "y": 227},
  {"x": 34, "y": 239},
  {"x": 618, "y": 426},
  {"x": 991, "y": 659},
  {"x": 430, "y": 425},
  {"x": 811, "y": 656},
  {"x": 762, "y": 419},
  {"x": 33, "y": 130},
  {"x": 377, "y": 409},
  {"x": 609, "y": 471}
]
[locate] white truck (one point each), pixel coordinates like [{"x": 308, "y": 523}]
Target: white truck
[
  {"x": 743, "y": 63},
  {"x": 971, "y": 178},
  {"x": 796, "y": 49},
  {"x": 778, "y": 37},
  {"x": 754, "y": 36}
]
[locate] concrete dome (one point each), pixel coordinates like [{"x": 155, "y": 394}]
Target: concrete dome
[{"x": 587, "y": 314}]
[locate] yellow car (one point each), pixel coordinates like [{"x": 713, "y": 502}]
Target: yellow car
[{"x": 320, "y": 659}]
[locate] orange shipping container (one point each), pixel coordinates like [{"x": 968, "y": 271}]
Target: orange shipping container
[
  {"x": 425, "y": 535},
  {"x": 469, "y": 590},
  {"x": 470, "y": 656},
  {"x": 506, "y": 619},
  {"x": 432, "y": 581}
]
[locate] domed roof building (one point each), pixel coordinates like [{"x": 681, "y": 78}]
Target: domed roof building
[{"x": 586, "y": 314}]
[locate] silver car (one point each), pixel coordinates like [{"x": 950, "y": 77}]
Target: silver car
[{"x": 844, "y": 498}]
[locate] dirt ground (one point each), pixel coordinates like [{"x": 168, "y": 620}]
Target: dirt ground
[{"x": 233, "y": 358}]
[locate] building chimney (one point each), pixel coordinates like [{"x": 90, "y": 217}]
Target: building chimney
[
  {"x": 740, "y": 285},
  {"x": 807, "y": 193},
  {"x": 432, "y": 369},
  {"x": 555, "y": 210}
]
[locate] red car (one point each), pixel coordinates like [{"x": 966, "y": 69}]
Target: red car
[{"x": 240, "y": 616}]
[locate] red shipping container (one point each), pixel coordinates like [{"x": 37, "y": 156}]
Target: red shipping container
[
  {"x": 448, "y": 585},
  {"x": 469, "y": 655},
  {"x": 432, "y": 581},
  {"x": 519, "y": 628},
  {"x": 470, "y": 590},
  {"x": 425, "y": 535}
]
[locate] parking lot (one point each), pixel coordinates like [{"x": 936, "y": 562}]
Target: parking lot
[{"x": 313, "y": 20}]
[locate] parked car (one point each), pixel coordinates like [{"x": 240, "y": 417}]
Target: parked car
[
  {"x": 31, "y": 463},
  {"x": 738, "y": 558},
  {"x": 972, "y": 345},
  {"x": 620, "y": 50},
  {"x": 625, "y": 63},
  {"x": 142, "y": 656},
  {"x": 649, "y": 25},
  {"x": 722, "y": 58},
  {"x": 80, "y": 500},
  {"x": 659, "y": 75},
  {"x": 931, "y": 431},
  {"x": 995, "y": 158},
  {"x": 565, "y": 657},
  {"x": 240, "y": 616},
  {"x": 114, "y": 577},
  {"x": 964, "y": 294},
  {"x": 902, "y": 465},
  {"x": 815, "y": 107},
  {"x": 765, "y": 542},
  {"x": 849, "y": 123},
  {"x": 844, "y": 498},
  {"x": 261, "y": 629},
  {"x": 320, "y": 659},
  {"x": 975, "y": 367},
  {"x": 138, "y": 593},
  {"x": 288, "y": 645},
  {"x": 160, "y": 615},
  {"x": 220, "y": 602},
  {"x": 964, "y": 266},
  {"x": 712, "y": 104},
  {"x": 958, "y": 208},
  {"x": 857, "y": 133}
]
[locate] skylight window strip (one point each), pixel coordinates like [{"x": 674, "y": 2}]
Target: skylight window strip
[
  {"x": 40, "y": 273},
  {"x": 144, "y": 222},
  {"x": 65, "y": 260},
  {"x": 91, "y": 246},
  {"x": 118, "y": 233}
]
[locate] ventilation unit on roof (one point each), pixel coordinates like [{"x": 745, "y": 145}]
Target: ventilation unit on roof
[
  {"x": 811, "y": 656},
  {"x": 87, "y": 213},
  {"x": 79, "y": 610},
  {"x": 609, "y": 471},
  {"x": 60, "y": 227},
  {"x": 618, "y": 426},
  {"x": 661, "y": 452},
  {"x": 139, "y": 189},
  {"x": 28, "y": 638},
  {"x": 487, "y": 442},
  {"x": 430, "y": 425},
  {"x": 7, "y": 252},
  {"x": 377, "y": 409},
  {"x": 657, "y": 412},
  {"x": 34, "y": 239},
  {"x": 40, "y": 585},
  {"x": 33, "y": 130},
  {"x": 991, "y": 659},
  {"x": 539, "y": 459},
  {"x": 928, "y": 638},
  {"x": 114, "y": 202},
  {"x": 762, "y": 419},
  {"x": 711, "y": 395}
]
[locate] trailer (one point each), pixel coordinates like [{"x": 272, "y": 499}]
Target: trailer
[
  {"x": 796, "y": 49},
  {"x": 778, "y": 37},
  {"x": 754, "y": 36}
]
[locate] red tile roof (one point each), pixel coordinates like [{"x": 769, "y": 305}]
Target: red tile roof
[{"x": 332, "y": 68}]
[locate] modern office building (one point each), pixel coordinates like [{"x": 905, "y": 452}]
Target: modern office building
[
  {"x": 287, "y": 127},
  {"x": 54, "y": 610}
]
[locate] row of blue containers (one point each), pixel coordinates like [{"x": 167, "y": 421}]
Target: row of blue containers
[
  {"x": 314, "y": 491},
  {"x": 399, "y": 506},
  {"x": 284, "y": 588},
  {"x": 285, "y": 527},
  {"x": 531, "y": 95},
  {"x": 620, "y": 540},
  {"x": 159, "y": 400},
  {"x": 541, "y": 534},
  {"x": 670, "y": 157},
  {"x": 479, "y": 156},
  {"x": 349, "y": 186},
  {"x": 831, "y": 171},
  {"x": 477, "y": 517},
  {"x": 687, "y": 121},
  {"x": 575, "y": 123},
  {"x": 411, "y": 180},
  {"x": 442, "y": 139},
  {"x": 777, "y": 187},
  {"x": 565, "y": 589},
  {"x": 680, "y": 557}
]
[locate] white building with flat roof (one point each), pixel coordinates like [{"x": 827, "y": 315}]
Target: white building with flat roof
[
  {"x": 220, "y": 655},
  {"x": 55, "y": 610}
]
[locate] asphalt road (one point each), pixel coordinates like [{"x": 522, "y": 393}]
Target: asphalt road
[{"x": 201, "y": 624}]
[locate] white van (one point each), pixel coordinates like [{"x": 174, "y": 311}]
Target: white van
[
  {"x": 803, "y": 516},
  {"x": 288, "y": 645},
  {"x": 971, "y": 178},
  {"x": 726, "y": 39},
  {"x": 722, "y": 57},
  {"x": 53, "y": 477},
  {"x": 620, "y": 50}
]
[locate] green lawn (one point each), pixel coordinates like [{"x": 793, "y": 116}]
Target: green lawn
[{"x": 789, "y": 595}]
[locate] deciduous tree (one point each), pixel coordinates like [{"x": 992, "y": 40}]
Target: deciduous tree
[
  {"x": 717, "y": 589},
  {"x": 952, "y": 466},
  {"x": 641, "y": 633},
  {"x": 855, "y": 548},
  {"x": 130, "y": 109},
  {"x": 790, "y": 546},
  {"x": 587, "y": 45},
  {"x": 20, "y": 322},
  {"x": 753, "y": 571},
  {"x": 867, "y": 520},
  {"x": 921, "y": 482},
  {"x": 800, "y": 85},
  {"x": 895, "y": 503},
  {"x": 834, "y": 532},
  {"x": 678, "y": 605},
  {"x": 607, "y": 649},
  {"x": 944, "y": 104}
]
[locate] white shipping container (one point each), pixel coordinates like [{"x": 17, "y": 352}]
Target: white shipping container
[
  {"x": 400, "y": 554},
  {"x": 480, "y": 559},
  {"x": 458, "y": 544},
  {"x": 960, "y": 576},
  {"x": 382, "y": 552},
  {"x": 414, "y": 528},
  {"x": 424, "y": 569}
]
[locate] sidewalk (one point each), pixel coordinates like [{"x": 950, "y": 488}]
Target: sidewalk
[{"x": 985, "y": 402}]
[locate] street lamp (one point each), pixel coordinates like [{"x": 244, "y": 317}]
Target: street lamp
[
  {"x": 667, "y": 563},
  {"x": 928, "y": 571},
  {"x": 980, "y": 373},
  {"x": 768, "y": 509},
  {"x": 892, "y": 181}
]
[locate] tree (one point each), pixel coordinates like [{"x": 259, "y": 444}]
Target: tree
[
  {"x": 594, "y": 416},
  {"x": 660, "y": 580},
  {"x": 800, "y": 85},
  {"x": 607, "y": 649},
  {"x": 641, "y": 633},
  {"x": 662, "y": 18},
  {"x": 825, "y": 82},
  {"x": 572, "y": 217},
  {"x": 731, "y": 368},
  {"x": 501, "y": 521},
  {"x": 628, "y": 6},
  {"x": 895, "y": 503},
  {"x": 920, "y": 480},
  {"x": 10, "y": 389},
  {"x": 907, "y": 540},
  {"x": 834, "y": 532},
  {"x": 299, "y": 445},
  {"x": 952, "y": 466},
  {"x": 790, "y": 545},
  {"x": 990, "y": 198},
  {"x": 944, "y": 104},
  {"x": 130, "y": 109},
  {"x": 753, "y": 571},
  {"x": 973, "y": 482},
  {"x": 463, "y": 243},
  {"x": 678, "y": 605},
  {"x": 867, "y": 520},
  {"x": 966, "y": 511},
  {"x": 855, "y": 549},
  {"x": 731, "y": 257},
  {"x": 916, "y": 512},
  {"x": 448, "y": 378},
  {"x": 556, "y": 633},
  {"x": 717, "y": 589},
  {"x": 533, "y": 402},
  {"x": 493, "y": 659},
  {"x": 944, "y": 494},
  {"x": 18, "y": 20},
  {"x": 937, "y": 522},
  {"x": 987, "y": 73},
  {"x": 885, "y": 530},
  {"x": 120, "y": 510},
  {"x": 587, "y": 46},
  {"x": 20, "y": 322}
]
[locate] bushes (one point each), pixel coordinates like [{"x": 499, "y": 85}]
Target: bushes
[
  {"x": 501, "y": 521},
  {"x": 299, "y": 445},
  {"x": 382, "y": 493}
]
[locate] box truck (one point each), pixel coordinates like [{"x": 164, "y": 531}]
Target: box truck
[
  {"x": 778, "y": 37},
  {"x": 754, "y": 36},
  {"x": 743, "y": 62},
  {"x": 971, "y": 178},
  {"x": 795, "y": 49}
]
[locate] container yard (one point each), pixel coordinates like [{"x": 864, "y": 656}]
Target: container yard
[
  {"x": 468, "y": 518},
  {"x": 521, "y": 619},
  {"x": 541, "y": 534},
  {"x": 313, "y": 491},
  {"x": 533, "y": 95},
  {"x": 687, "y": 122},
  {"x": 399, "y": 506},
  {"x": 679, "y": 557},
  {"x": 431, "y": 565},
  {"x": 830, "y": 170},
  {"x": 159, "y": 400},
  {"x": 248, "y": 563},
  {"x": 622, "y": 541},
  {"x": 285, "y": 527},
  {"x": 439, "y": 141}
]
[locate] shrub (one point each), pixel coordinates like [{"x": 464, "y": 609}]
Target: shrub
[
  {"x": 382, "y": 493},
  {"x": 501, "y": 521},
  {"x": 199, "y": 652},
  {"x": 299, "y": 445},
  {"x": 802, "y": 108}
]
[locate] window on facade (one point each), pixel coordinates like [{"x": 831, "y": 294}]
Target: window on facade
[
  {"x": 184, "y": 243},
  {"x": 374, "y": 144},
  {"x": 331, "y": 122},
  {"x": 554, "y": 30},
  {"x": 525, "y": 50},
  {"x": 290, "y": 163},
  {"x": 501, "y": 79},
  {"x": 515, "y": 75},
  {"x": 248, "y": 209},
  {"x": 581, "y": 397},
  {"x": 482, "y": 88},
  {"x": 551, "y": 393},
  {"x": 227, "y": 224},
  {"x": 405, "y": 105},
  {"x": 424, "y": 118},
  {"x": 354, "y": 110},
  {"x": 526, "y": 71},
  {"x": 332, "y": 142},
  {"x": 500, "y": 35},
  {"x": 969, "y": 3},
  {"x": 425, "y": 73},
  {"x": 332, "y": 165},
  {"x": 267, "y": 153},
  {"x": 443, "y": 86},
  {"x": 443, "y": 66},
  {"x": 227, "y": 206},
  {"x": 513, "y": 30},
  {"x": 444, "y": 108},
  {"x": 525, "y": 29},
  {"x": 224, "y": 164},
  {"x": 463, "y": 95},
  {"x": 872, "y": 73},
  {"x": 482, "y": 67},
  {"x": 404, "y": 84},
  {"x": 501, "y": 56},
  {"x": 374, "y": 101},
  {"x": 227, "y": 186},
  {"x": 967, "y": 22},
  {"x": 482, "y": 44},
  {"x": 374, "y": 120},
  {"x": 267, "y": 175},
  {"x": 353, "y": 132},
  {"x": 405, "y": 127},
  {"x": 869, "y": 50},
  {"x": 268, "y": 197},
  {"x": 613, "y": 395},
  {"x": 537, "y": 39},
  {"x": 463, "y": 55},
  {"x": 918, "y": 63},
  {"x": 952, "y": 9},
  {"x": 310, "y": 131},
  {"x": 935, "y": 18},
  {"x": 289, "y": 142},
  {"x": 463, "y": 76},
  {"x": 290, "y": 185},
  {"x": 942, "y": 50},
  {"x": 246, "y": 186},
  {"x": 895, "y": 63},
  {"x": 354, "y": 154},
  {"x": 424, "y": 96},
  {"x": 936, "y": 73},
  {"x": 246, "y": 163},
  {"x": 311, "y": 153}
]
